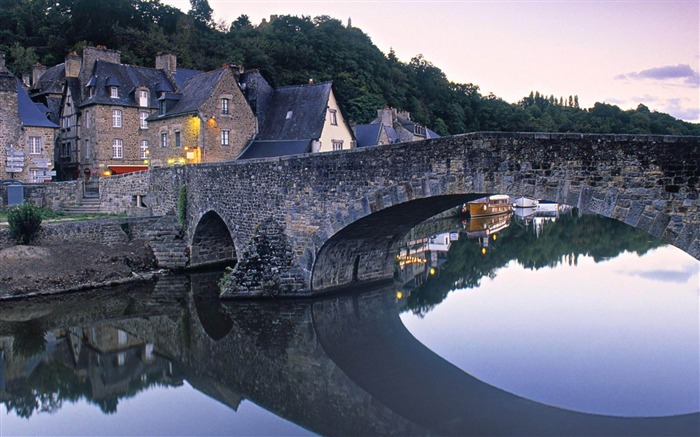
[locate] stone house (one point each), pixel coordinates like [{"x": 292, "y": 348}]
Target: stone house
[
  {"x": 26, "y": 135},
  {"x": 207, "y": 120},
  {"x": 297, "y": 119},
  {"x": 391, "y": 126}
]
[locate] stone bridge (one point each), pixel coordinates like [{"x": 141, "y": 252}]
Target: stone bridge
[{"x": 307, "y": 224}]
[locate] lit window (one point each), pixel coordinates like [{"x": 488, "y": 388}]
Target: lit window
[
  {"x": 117, "y": 149},
  {"x": 117, "y": 118},
  {"x": 35, "y": 145},
  {"x": 114, "y": 92},
  {"x": 225, "y": 135},
  {"x": 143, "y": 98},
  {"x": 164, "y": 139},
  {"x": 334, "y": 117},
  {"x": 337, "y": 145},
  {"x": 177, "y": 139},
  {"x": 144, "y": 149},
  {"x": 143, "y": 116},
  {"x": 224, "y": 106},
  {"x": 289, "y": 115}
]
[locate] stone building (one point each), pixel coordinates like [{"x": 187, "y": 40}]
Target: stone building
[
  {"x": 208, "y": 120},
  {"x": 26, "y": 135},
  {"x": 391, "y": 126},
  {"x": 298, "y": 119}
]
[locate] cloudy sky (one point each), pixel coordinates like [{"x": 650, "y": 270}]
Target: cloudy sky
[{"x": 622, "y": 52}]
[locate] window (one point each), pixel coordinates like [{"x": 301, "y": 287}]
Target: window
[
  {"x": 143, "y": 98},
  {"x": 114, "y": 92},
  {"x": 144, "y": 149},
  {"x": 178, "y": 143},
  {"x": 164, "y": 139},
  {"x": 419, "y": 130},
  {"x": 118, "y": 149},
  {"x": 91, "y": 92},
  {"x": 224, "y": 106},
  {"x": 225, "y": 135},
  {"x": 117, "y": 118},
  {"x": 337, "y": 145},
  {"x": 334, "y": 117},
  {"x": 143, "y": 124},
  {"x": 35, "y": 145},
  {"x": 88, "y": 121},
  {"x": 161, "y": 107},
  {"x": 87, "y": 149},
  {"x": 289, "y": 115}
]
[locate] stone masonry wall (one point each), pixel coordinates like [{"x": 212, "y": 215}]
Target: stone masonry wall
[{"x": 649, "y": 182}]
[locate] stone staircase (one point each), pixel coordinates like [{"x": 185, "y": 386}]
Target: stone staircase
[
  {"x": 166, "y": 240},
  {"x": 86, "y": 206}
]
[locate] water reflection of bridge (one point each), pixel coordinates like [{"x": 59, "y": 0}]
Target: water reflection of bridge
[{"x": 343, "y": 365}]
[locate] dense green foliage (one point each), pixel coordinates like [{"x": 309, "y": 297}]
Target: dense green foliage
[
  {"x": 560, "y": 242},
  {"x": 291, "y": 50},
  {"x": 25, "y": 223},
  {"x": 182, "y": 205}
]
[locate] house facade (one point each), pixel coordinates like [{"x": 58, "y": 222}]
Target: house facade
[
  {"x": 208, "y": 120},
  {"x": 26, "y": 135},
  {"x": 391, "y": 126}
]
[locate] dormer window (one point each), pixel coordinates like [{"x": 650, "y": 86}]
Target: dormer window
[
  {"x": 419, "y": 130},
  {"x": 161, "y": 107},
  {"x": 114, "y": 92},
  {"x": 143, "y": 98},
  {"x": 224, "y": 106},
  {"x": 289, "y": 115},
  {"x": 91, "y": 92}
]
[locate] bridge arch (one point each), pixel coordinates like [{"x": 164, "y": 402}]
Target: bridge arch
[{"x": 211, "y": 242}]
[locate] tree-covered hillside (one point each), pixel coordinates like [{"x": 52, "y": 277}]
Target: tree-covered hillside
[{"x": 292, "y": 50}]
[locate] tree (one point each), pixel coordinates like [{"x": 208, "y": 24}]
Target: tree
[{"x": 201, "y": 11}]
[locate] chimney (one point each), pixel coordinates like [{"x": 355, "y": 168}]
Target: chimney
[
  {"x": 385, "y": 116},
  {"x": 94, "y": 54},
  {"x": 166, "y": 61},
  {"x": 72, "y": 64},
  {"x": 38, "y": 70}
]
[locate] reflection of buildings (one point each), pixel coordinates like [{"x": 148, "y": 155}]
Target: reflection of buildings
[
  {"x": 420, "y": 258},
  {"x": 102, "y": 363}
]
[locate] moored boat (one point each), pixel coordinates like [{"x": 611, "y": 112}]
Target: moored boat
[
  {"x": 525, "y": 202},
  {"x": 496, "y": 204}
]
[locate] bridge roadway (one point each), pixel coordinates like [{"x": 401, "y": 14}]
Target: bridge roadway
[
  {"x": 307, "y": 224},
  {"x": 341, "y": 365}
]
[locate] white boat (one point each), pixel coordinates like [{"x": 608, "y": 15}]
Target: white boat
[{"x": 525, "y": 202}]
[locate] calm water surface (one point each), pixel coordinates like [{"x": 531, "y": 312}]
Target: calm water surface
[{"x": 577, "y": 325}]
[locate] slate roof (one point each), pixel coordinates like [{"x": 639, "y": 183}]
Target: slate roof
[
  {"x": 367, "y": 134},
  {"x": 29, "y": 114},
  {"x": 182, "y": 74},
  {"x": 268, "y": 149},
  {"x": 307, "y": 104},
  {"x": 129, "y": 78},
  {"x": 51, "y": 82},
  {"x": 195, "y": 92}
]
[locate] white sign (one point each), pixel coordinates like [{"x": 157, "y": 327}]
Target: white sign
[
  {"x": 13, "y": 153},
  {"x": 41, "y": 165},
  {"x": 14, "y": 160},
  {"x": 14, "y": 169},
  {"x": 50, "y": 173},
  {"x": 47, "y": 160}
]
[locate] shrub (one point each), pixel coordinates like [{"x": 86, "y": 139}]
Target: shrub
[{"x": 25, "y": 222}]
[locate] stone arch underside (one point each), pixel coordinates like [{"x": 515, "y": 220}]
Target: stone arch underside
[
  {"x": 211, "y": 243},
  {"x": 364, "y": 250}
]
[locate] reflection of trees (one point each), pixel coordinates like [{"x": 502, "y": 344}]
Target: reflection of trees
[
  {"x": 561, "y": 241},
  {"x": 28, "y": 339}
]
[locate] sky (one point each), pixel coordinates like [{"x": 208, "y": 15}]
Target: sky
[{"x": 614, "y": 51}]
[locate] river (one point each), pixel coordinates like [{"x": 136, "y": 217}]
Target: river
[{"x": 556, "y": 324}]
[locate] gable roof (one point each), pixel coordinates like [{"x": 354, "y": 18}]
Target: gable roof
[
  {"x": 269, "y": 149},
  {"x": 182, "y": 74},
  {"x": 296, "y": 113},
  {"x": 29, "y": 113},
  {"x": 368, "y": 134},
  {"x": 128, "y": 78},
  {"x": 194, "y": 93}
]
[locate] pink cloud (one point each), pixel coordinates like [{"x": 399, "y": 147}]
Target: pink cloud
[{"x": 690, "y": 77}]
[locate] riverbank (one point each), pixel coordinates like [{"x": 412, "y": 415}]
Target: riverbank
[{"x": 67, "y": 266}]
